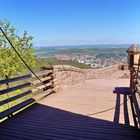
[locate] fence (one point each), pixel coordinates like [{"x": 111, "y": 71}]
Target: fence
[
  {"x": 135, "y": 94},
  {"x": 23, "y": 91}
]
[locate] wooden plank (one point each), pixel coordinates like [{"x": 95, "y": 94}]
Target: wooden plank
[
  {"x": 139, "y": 75},
  {"x": 133, "y": 112},
  {"x": 138, "y": 88},
  {"x": 42, "y": 79},
  {"x": 46, "y": 72},
  {"x": 16, "y": 108},
  {"x": 138, "y": 98},
  {"x": 34, "y": 90},
  {"x": 14, "y": 88},
  {"x": 15, "y": 79},
  {"x": 41, "y": 87},
  {"x": 138, "y": 81},
  {"x": 15, "y": 97},
  {"x": 137, "y": 108},
  {"x": 42, "y": 95},
  {"x": 44, "y": 86}
]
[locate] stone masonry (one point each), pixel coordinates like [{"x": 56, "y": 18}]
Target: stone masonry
[{"x": 64, "y": 75}]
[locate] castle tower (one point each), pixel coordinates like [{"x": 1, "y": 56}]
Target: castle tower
[{"x": 133, "y": 55}]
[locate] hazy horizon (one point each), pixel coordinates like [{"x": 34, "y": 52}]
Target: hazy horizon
[{"x": 88, "y": 46}]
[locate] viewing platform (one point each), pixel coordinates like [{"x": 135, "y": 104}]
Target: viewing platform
[{"x": 97, "y": 109}]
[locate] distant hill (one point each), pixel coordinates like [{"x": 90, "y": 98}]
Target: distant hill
[
  {"x": 49, "y": 62},
  {"x": 88, "y": 46},
  {"x": 100, "y": 52}
]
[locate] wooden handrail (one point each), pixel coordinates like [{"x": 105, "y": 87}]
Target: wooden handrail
[
  {"x": 135, "y": 89},
  {"x": 16, "y": 108},
  {"x": 10, "y": 99},
  {"x": 14, "y": 88},
  {"x": 29, "y": 86},
  {"x": 42, "y": 79},
  {"x": 16, "y": 79},
  {"x": 45, "y": 72}
]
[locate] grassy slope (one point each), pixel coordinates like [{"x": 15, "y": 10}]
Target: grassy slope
[{"x": 44, "y": 62}]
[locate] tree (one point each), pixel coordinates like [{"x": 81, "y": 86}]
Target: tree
[{"x": 10, "y": 63}]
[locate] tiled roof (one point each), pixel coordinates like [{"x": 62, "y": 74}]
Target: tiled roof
[{"x": 133, "y": 48}]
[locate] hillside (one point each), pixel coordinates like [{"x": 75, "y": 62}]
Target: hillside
[{"x": 50, "y": 62}]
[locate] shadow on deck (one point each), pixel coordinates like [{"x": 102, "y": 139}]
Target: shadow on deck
[
  {"x": 125, "y": 91},
  {"x": 41, "y": 122}
]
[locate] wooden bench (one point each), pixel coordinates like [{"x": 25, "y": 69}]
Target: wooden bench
[{"x": 29, "y": 87}]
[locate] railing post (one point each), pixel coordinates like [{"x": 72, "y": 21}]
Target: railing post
[
  {"x": 133, "y": 61},
  {"x": 132, "y": 78}
]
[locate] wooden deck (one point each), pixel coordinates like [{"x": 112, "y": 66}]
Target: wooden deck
[{"x": 97, "y": 109}]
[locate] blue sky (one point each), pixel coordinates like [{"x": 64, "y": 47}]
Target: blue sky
[{"x": 75, "y": 22}]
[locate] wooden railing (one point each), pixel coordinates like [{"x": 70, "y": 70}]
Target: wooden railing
[
  {"x": 23, "y": 91},
  {"x": 135, "y": 94}
]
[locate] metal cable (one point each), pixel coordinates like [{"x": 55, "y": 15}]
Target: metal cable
[
  {"x": 21, "y": 57},
  {"x": 106, "y": 110}
]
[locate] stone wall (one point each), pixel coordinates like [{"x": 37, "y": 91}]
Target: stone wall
[
  {"x": 67, "y": 75},
  {"x": 101, "y": 73},
  {"x": 64, "y": 75}
]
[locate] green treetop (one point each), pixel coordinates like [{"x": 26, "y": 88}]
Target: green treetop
[{"x": 10, "y": 63}]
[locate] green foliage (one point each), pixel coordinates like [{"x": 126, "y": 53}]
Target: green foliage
[
  {"x": 49, "y": 62},
  {"x": 10, "y": 63}
]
